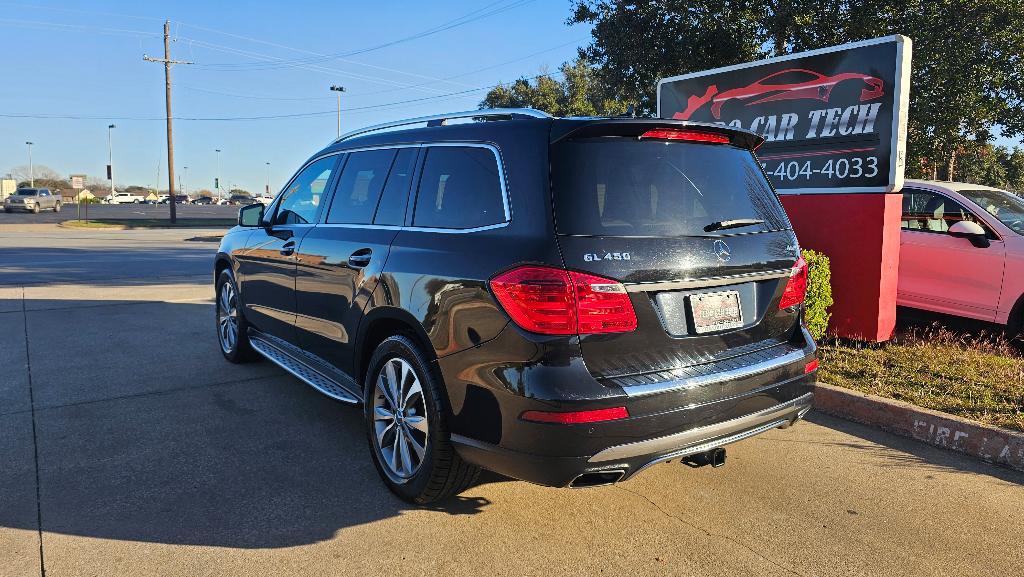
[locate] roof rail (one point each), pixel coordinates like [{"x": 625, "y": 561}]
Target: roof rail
[{"x": 442, "y": 119}]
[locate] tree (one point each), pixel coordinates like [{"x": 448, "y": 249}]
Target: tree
[
  {"x": 635, "y": 44},
  {"x": 239, "y": 191},
  {"x": 967, "y": 76},
  {"x": 578, "y": 94},
  {"x": 23, "y": 173}
]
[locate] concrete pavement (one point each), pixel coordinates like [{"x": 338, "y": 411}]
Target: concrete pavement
[{"x": 130, "y": 447}]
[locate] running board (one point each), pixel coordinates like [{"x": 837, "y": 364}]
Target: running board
[{"x": 303, "y": 372}]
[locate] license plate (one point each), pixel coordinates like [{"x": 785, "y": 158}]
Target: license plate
[{"x": 716, "y": 311}]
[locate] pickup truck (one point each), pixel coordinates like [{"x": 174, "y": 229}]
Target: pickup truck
[
  {"x": 32, "y": 200},
  {"x": 125, "y": 198}
]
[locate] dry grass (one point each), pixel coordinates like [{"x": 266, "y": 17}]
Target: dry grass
[{"x": 979, "y": 376}]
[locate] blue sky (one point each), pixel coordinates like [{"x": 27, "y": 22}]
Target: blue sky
[{"x": 259, "y": 58}]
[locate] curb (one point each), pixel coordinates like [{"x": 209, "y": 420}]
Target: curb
[{"x": 991, "y": 444}]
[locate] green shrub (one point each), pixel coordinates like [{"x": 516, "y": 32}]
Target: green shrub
[{"x": 819, "y": 293}]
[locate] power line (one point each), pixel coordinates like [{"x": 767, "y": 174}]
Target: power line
[
  {"x": 488, "y": 10},
  {"x": 267, "y": 117}
]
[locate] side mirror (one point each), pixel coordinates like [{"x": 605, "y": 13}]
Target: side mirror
[
  {"x": 972, "y": 231},
  {"x": 250, "y": 215}
]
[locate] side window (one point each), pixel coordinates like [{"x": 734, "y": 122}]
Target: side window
[
  {"x": 459, "y": 188},
  {"x": 359, "y": 187},
  {"x": 391, "y": 208},
  {"x": 300, "y": 201},
  {"x": 925, "y": 211}
]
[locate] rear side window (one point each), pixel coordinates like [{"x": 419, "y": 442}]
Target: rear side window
[
  {"x": 459, "y": 188},
  {"x": 359, "y": 187},
  {"x": 622, "y": 187}
]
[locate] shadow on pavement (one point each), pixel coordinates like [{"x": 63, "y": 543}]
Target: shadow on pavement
[
  {"x": 103, "y": 265},
  {"x": 910, "y": 453},
  {"x": 172, "y": 444}
]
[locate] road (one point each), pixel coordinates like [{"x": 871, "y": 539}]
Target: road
[
  {"x": 130, "y": 447},
  {"x": 119, "y": 211}
]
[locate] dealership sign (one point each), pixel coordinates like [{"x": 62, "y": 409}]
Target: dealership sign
[{"x": 834, "y": 120}]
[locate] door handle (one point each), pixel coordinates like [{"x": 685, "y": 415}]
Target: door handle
[
  {"x": 288, "y": 248},
  {"x": 360, "y": 258}
]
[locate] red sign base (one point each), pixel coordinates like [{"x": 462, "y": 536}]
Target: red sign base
[{"x": 860, "y": 233}]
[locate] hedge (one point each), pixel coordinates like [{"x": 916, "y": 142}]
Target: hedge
[{"x": 819, "y": 293}]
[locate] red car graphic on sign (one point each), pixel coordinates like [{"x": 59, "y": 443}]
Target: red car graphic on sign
[{"x": 816, "y": 86}]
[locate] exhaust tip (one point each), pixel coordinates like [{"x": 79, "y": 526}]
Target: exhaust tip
[
  {"x": 597, "y": 479},
  {"x": 714, "y": 457}
]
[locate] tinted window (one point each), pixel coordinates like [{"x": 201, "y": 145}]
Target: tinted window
[
  {"x": 621, "y": 187},
  {"x": 391, "y": 209},
  {"x": 359, "y": 187},
  {"x": 301, "y": 199},
  {"x": 459, "y": 188}
]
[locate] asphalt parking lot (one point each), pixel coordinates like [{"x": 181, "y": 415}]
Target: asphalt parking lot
[
  {"x": 118, "y": 211},
  {"x": 130, "y": 447}
]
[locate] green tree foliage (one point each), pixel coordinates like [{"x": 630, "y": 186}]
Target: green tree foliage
[
  {"x": 967, "y": 82},
  {"x": 819, "y": 293},
  {"x": 579, "y": 93}
]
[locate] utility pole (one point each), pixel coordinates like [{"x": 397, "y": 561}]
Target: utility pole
[
  {"x": 31, "y": 169},
  {"x": 339, "y": 90},
  {"x": 167, "y": 62},
  {"x": 110, "y": 159}
]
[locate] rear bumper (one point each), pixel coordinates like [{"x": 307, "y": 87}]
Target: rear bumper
[{"x": 628, "y": 459}]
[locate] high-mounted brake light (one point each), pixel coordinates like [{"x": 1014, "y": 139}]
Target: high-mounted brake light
[
  {"x": 688, "y": 135},
  {"x": 576, "y": 417},
  {"x": 796, "y": 286},
  {"x": 553, "y": 301}
]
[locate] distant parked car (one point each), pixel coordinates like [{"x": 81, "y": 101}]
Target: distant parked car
[
  {"x": 32, "y": 200},
  {"x": 125, "y": 198},
  {"x": 241, "y": 199},
  {"x": 264, "y": 199},
  {"x": 178, "y": 199},
  {"x": 203, "y": 200},
  {"x": 962, "y": 252}
]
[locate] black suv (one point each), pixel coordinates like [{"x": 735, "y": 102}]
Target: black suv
[{"x": 565, "y": 301}]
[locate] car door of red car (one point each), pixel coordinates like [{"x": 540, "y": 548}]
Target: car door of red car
[{"x": 942, "y": 273}]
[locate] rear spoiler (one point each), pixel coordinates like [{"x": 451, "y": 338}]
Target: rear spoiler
[{"x": 588, "y": 128}]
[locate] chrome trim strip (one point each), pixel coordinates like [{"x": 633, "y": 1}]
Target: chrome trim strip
[
  {"x": 727, "y": 375},
  {"x": 705, "y": 438},
  {"x": 706, "y": 282},
  {"x": 486, "y": 113}
]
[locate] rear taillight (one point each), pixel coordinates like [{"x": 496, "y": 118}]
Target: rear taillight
[
  {"x": 688, "y": 135},
  {"x": 554, "y": 301},
  {"x": 796, "y": 286},
  {"x": 576, "y": 417},
  {"x": 811, "y": 367}
]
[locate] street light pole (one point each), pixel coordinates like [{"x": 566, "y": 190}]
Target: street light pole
[
  {"x": 268, "y": 180},
  {"x": 339, "y": 90},
  {"x": 31, "y": 169},
  {"x": 216, "y": 182},
  {"x": 184, "y": 189},
  {"x": 110, "y": 159}
]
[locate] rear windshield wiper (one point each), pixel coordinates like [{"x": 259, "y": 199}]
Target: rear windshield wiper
[{"x": 735, "y": 223}]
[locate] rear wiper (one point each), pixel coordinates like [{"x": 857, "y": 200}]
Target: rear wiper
[{"x": 735, "y": 223}]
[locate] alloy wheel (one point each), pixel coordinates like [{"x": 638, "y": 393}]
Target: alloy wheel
[
  {"x": 227, "y": 318},
  {"x": 401, "y": 427}
]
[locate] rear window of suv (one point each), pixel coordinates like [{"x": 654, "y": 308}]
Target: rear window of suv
[{"x": 622, "y": 187}]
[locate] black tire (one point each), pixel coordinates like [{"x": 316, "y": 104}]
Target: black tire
[
  {"x": 56, "y": 207},
  {"x": 441, "y": 473},
  {"x": 8, "y": 211},
  {"x": 240, "y": 350}
]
